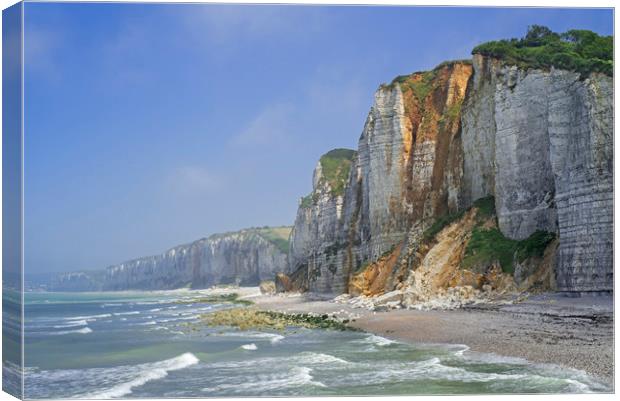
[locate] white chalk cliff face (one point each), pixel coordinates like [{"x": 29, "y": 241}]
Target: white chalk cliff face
[
  {"x": 245, "y": 257},
  {"x": 539, "y": 142}
]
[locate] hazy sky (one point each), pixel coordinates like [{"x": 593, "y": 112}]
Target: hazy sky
[{"x": 148, "y": 126}]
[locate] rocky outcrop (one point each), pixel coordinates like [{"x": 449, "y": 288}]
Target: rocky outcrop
[
  {"x": 452, "y": 268},
  {"x": 316, "y": 253},
  {"x": 246, "y": 257}
]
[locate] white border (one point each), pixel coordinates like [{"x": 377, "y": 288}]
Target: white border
[{"x": 475, "y": 3}]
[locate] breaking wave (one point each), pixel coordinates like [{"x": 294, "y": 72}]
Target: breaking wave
[
  {"x": 88, "y": 317},
  {"x": 144, "y": 374},
  {"x": 377, "y": 340},
  {"x": 298, "y": 376},
  {"x": 77, "y": 323},
  {"x": 85, "y": 330},
  {"x": 126, "y": 313},
  {"x": 272, "y": 337}
]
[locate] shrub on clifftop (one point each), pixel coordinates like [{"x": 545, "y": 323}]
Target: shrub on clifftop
[
  {"x": 577, "y": 50},
  {"x": 335, "y": 166}
]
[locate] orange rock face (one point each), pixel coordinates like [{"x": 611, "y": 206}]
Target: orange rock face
[
  {"x": 432, "y": 153},
  {"x": 429, "y": 163},
  {"x": 373, "y": 279}
]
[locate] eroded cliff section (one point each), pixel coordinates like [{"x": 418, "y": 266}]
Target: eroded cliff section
[
  {"x": 537, "y": 144},
  {"x": 245, "y": 257},
  {"x": 407, "y": 170}
]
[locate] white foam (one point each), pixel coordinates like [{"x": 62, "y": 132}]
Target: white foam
[
  {"x": 577, "y": 386},
  {"x": 88, "y": 317},
  {"x": 126, "y": 313},
  {"x": 317, "y": 358},
  {"x": 298, "y": 376},
  {"x": 77, "y": 323},
  {"x": 273, "y": 337},
  {"x": 249, "y": 347},
  {"x": 464, "y": 349},
  {"x": 304, "y": 358},
  {"x": 85, "y": 330},
  {"x": 377, "y": 340},
  {"x": 161, "y": 301},
  {"x": 179, "y": 318},
  {"x": 427, "y": 363},
  {"x": 146, "y": 373}
]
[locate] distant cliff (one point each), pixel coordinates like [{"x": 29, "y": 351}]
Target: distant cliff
[
  {"x": 507, "y": 128},
  {"x": 244, "y": 257}
]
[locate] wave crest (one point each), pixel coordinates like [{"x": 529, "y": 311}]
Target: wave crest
[{"x": 147, "y": 373}]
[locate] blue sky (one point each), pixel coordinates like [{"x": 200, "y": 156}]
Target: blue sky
[{"x": 151, "y": 125}]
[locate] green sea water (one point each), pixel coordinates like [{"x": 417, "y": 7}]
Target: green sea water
[{"x": 139, "y": 344}]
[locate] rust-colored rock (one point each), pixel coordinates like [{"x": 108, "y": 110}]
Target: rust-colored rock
[{"x": 373, "y": 279}]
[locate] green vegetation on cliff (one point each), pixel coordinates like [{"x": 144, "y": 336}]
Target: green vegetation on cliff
[
  {"x": 279, "y": 236},
  {"x": 335, "y": 166},
  {"x": 485, "y": 206},
  {"x": 487, "y": 245},
  {"x": 582, "y": 51},
  {"x": 427, "y": 76},
  {"x": 307, "y": 201}
]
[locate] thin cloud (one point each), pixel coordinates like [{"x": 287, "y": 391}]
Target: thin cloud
[
  {"x": 41, "y": 47},
  {"x": 195, "y": 178},
  {"x": 225, "y": 24},
  {"x": 272, "y": 126}
]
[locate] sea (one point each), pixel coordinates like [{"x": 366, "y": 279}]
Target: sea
[{"x": 153, "y": 344}]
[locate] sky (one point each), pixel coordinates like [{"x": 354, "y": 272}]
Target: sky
[{"x": 151, "y": 125}]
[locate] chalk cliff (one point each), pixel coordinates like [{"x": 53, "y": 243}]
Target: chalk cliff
[
  {"x": 541, "y": 142},
  {"x": 245, "y": 257},
  {"x": 407, "y": 171},
  {"x": 536, "y": 143}
]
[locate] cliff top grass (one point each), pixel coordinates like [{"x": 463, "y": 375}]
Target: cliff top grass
[
  {"x": 402, "y": 79},
  {"x": 307, "y": 201},
  {"x": 335, "y": 166},
  {"x": 279, "y": 236},
  {"x": 576, "y": 50}
]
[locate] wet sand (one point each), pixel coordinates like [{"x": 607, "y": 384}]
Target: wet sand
[{"x": 571, "y": 332}]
